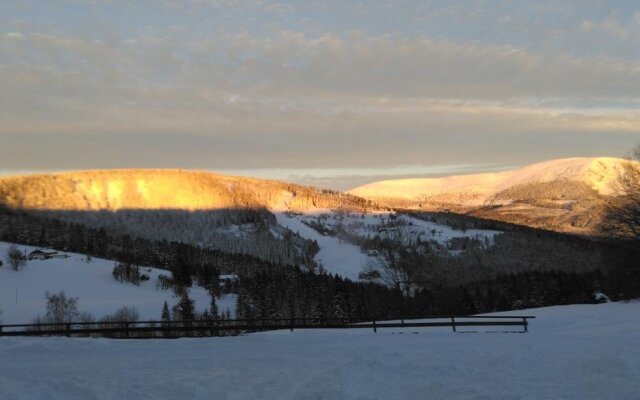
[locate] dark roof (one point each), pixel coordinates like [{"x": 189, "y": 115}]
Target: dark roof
[{"x": 38, "y": 251}]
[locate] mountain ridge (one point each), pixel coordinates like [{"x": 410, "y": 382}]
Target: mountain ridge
[
  {"x": 599, "y": 173},
  {"x": 155, "y": 189},
  {"x": 567, "y": 195}
]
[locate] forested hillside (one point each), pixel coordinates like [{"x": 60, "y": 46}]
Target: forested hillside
[
  {"x": 440, "y": 284},
  {"x": 293, "y": 247}
]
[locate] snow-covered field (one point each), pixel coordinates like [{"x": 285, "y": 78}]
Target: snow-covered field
[
  {"x": 22, "y": 293},
  {"x": 572, "y": 352}
]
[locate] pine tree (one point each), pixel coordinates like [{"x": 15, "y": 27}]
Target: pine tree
[
  {"x": 166, "y": 317},
  {"x": 213, "y": 306},
  {"x": 340, "y": 308},
  {"x": 242, "y": 309},
  {"x": 317, "y": 314},
  {"x": 186, "y": 307}
]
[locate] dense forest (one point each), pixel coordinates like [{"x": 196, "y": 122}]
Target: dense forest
[{"x": 251, "y": 231}]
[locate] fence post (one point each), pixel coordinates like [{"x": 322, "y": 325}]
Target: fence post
[
  {"x": 375, "y": 330},
  {"x": 292, "y": 322},
  {"x": 453, "y": 323},
  {"x": 126, "y": 329},
  {"x": 68, "y": 330},
  {"x": 525, "y": 323}
]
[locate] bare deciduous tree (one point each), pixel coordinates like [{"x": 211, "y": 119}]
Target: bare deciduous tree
[
  {"x": 61, "y": 309},
  {"x": 15, "y": 258},
  {"x": 384, "y": 269},
  {"x": 126, "y": 314},
  {"x": 393, "y": 265},
  {"x": 622, "y": 218}
]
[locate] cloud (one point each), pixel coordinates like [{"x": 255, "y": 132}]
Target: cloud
[
  {"x": 292, "y": 65},
  {"x": 292, "y": 84},
  {"x": 13, "y": 36},
  {"x": 609, "y": 25},
  {"x": 272, "y": 96},
  {"x": 235, "y": 5}
]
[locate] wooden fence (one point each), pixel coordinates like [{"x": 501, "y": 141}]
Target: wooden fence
[{"x": 205, "y": 328}]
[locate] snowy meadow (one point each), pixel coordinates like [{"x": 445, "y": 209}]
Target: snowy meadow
[{"x": 571, "y": 352}]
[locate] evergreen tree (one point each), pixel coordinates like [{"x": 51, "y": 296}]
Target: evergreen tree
[
  {"x": 186, "y": 307},
  {"x": 340, "y": 308},
  {"x": 213, "y": 306},
  {"x": 166, "y": 316}
]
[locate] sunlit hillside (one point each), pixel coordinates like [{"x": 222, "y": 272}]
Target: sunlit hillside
[
  {"x": 161, "y": 189},
  {"x": 598, "y": 174},
  {"x": 566, "y": 195},
  {"x": 231, "y": 214}
]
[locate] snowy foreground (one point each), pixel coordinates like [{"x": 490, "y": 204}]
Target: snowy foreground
[{"x": 572, "y": 352}]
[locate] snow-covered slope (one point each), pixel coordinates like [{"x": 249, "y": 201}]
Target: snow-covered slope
[
  {"x": 571, "y": 353},
  {"x": 337, "y": 232},
  {"x": 335, "y": 255},
  {"x": 598, "y": 174},
  {"x": 22, "y": 293}
]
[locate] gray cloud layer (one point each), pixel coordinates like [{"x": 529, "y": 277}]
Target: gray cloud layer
[{"x": 289, "y": 98}]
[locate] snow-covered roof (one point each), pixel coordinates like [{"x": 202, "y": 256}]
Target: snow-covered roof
[{"x": 43, "y": 251}]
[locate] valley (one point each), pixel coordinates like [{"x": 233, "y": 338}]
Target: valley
[
  {"x": 198, "y": 225},
  {"x": 319, "y": 200}
]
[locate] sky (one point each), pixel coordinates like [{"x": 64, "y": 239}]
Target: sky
[{"x": 331, "y": 93}]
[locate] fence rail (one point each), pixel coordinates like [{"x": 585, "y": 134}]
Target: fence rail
[{"x": 200, "y": 328}]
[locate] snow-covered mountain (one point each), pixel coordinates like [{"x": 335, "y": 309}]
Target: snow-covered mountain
[
  {"x": 226, "y": 213},
  {"x": 598, "y": 174},
  {"x": 565, "y": 194},
  {"x": 278, "y": 222},
  {"x": 288, "y": 224}
]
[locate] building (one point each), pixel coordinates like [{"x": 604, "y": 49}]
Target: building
[{"x": 43, "y": 254}]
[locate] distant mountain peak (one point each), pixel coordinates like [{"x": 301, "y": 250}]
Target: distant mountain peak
[
  {"x": 567, "y": 195},
  {"x": 599, "y": 173}
]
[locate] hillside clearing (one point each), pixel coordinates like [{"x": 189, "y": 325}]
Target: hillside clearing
[{"x": 22, "y": 293}]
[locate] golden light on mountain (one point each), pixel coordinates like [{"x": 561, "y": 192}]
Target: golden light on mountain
[
  {"x": 599, "y": 174},
  {"x": 157, "y": 189}
]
